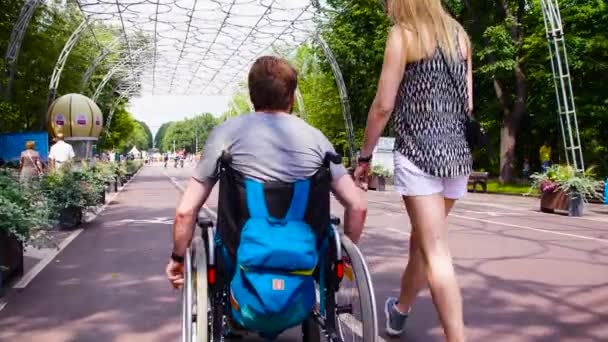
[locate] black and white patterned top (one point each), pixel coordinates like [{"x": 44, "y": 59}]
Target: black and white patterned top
[{"x": 430, "y": 115}]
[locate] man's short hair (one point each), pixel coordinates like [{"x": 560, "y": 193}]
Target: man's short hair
[{"x": 272, "y": 83}]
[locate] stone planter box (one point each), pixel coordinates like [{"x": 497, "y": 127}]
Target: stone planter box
[
  {"x": 70, "y": 218},
  {"x": 377, "y": 183},
  {"x": 11, "y": 259},
  {"x": 102, "y": 197},
  {"x": 559, "y": 200}
]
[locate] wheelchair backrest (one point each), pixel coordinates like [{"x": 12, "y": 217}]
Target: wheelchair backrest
[{"x": 233, "y": 210}]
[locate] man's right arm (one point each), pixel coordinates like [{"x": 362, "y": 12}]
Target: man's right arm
[{"x": 354, "y": 202}]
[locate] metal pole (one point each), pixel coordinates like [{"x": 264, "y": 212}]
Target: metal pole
[
  {"x": 60, "y": 64},
  {"x": 15, "y": 41},
  {"x": 335, "y": 67}
]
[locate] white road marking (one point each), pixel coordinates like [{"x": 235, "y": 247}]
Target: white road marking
[
  {"x": 530, "y": 228},
  {"x": 529, "y": 211},
  {"x": 516, "y": 226},
  {"x": 29, "y": 276}
]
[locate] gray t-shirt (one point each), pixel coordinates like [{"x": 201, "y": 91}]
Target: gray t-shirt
[{"x": 267, "y": 147}]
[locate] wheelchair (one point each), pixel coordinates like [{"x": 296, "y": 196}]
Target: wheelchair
[{"x": 345, "y": 308}]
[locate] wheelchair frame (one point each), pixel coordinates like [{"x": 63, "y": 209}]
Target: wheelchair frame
[{"x": 205, "y": 303}]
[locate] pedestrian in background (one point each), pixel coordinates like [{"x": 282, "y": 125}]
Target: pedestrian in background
[
  {"x": 545, "y": 156},
  {"x": 61, "y": 153},
  {"x": 427, "y": 82},
  {"x": 30, "y": 166}
]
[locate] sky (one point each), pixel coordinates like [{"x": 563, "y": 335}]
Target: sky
[{"x": 155, "y": 110}]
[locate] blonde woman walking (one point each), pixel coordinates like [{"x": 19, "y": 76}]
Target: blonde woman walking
[
  {"x": 30, "y": 166},
  {"x": 426, "y": 81}
]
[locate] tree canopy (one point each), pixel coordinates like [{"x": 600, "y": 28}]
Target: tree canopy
[
  {"x": 189, "y": 134},
  {"x": 23, "y": 104}
]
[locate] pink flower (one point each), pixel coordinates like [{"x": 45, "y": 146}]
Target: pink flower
[{"x": 548, "y": 186}]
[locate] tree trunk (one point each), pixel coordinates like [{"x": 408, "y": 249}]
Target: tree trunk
[{"x": 507, "y": 153}]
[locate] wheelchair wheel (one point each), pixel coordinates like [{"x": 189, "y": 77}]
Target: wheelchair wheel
[
  {"x": 187, "y": 300},
  {"x": 355, "y": 306},
  {"x": 201, "y": 294},
  {"x": 195, "y": 309}
]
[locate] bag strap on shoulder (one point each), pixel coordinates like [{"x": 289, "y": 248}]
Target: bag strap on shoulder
[{"x": 256, "y": 201}]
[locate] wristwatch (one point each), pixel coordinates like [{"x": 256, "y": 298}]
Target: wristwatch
[
  {"x": 177, "y": 258},
  {"x": 365, "y": 159}
]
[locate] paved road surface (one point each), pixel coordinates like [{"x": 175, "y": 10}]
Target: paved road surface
[{"x": 525, "y": 276}]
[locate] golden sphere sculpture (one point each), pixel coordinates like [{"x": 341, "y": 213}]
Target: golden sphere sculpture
[
  {"x": 80, "y": 121},
  {"x": 76, "y": 116}
]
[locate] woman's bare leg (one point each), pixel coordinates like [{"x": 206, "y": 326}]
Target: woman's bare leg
[
  {"x": 428, "y": 217},
  {"x": 414, "y": 278}
]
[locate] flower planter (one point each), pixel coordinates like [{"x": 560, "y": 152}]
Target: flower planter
[
  {"x": 11, "y": 258},
  {"x": 377, "y": 183},
  {"x": 102, "y": 197},
  {"x": 549, "y": 201},
  {"x": 576, "y": 206},
  {"x": 559, "y": 200},
  {"x": 70, "y": 217}
]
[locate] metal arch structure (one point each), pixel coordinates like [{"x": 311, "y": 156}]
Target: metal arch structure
[
  {"x": 15, "y": 41},
  {"x": 63, "y": 57},
  {"x": 124, "y": 94},
  {"x": 563, "y": 85},
  {"x": 335, "y": 67},
  {"x": 298, "y": 93},
  {"x": 117, "y": 67},
  {"x": 204, "y": 46},
  {"x": 95, "y": 63}
]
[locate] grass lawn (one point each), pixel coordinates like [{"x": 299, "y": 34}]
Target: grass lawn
[{"x": 494, "y": 186}]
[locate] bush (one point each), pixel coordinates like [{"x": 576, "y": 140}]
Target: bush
[
  {"x": 24, "y": 210},
  {"x": 132, "y": 166},
  {"x": 70, "y": 189},
  {"x": 380, "y": 171},
  {"x": 564, "y": 178}
]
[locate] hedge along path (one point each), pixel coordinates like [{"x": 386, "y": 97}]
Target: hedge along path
[{"x": 31, "y": 274}]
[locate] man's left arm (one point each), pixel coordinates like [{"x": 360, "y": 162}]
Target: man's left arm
[
  {"x": 196, "y": 194},
  {"x": 194, "y": 197}
]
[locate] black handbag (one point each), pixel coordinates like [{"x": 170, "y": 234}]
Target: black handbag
[{"x": 475, "y": 134}]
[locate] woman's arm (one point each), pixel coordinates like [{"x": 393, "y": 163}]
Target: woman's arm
[{"x": 388, "y": 86}]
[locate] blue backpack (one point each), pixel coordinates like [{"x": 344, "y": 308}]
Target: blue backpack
[{"x": 273, "y": 287}]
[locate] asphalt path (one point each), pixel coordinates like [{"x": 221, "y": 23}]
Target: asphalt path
[{"x": 525, "y": 275}]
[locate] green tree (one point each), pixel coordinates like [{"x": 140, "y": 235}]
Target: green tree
[
  {"x": 148, "y": 134},
  {"x": 186, "y": 134},
  {"x": 160, "y": 135}
]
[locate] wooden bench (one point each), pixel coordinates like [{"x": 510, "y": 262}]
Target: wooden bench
[{"x": 479, "y": 178}]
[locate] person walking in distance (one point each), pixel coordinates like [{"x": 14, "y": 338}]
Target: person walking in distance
[
  {"x": 545, "y": 156},
  {"x": 61, "y": 153},
  {"x": 426, "y": 81},
  {"x": 30, "y": 165}
]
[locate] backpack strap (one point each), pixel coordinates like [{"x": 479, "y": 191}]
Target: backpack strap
[
  {"x": 256, "y": 201},
  {"x": 299, "y": 201}
]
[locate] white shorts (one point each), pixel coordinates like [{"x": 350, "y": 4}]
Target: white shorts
[{"x": 411, "y": 181}]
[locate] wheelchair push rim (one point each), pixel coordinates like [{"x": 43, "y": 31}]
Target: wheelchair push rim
[
  {"x": 195, "y": 310},
  {"x": 349, "y": 307},
  {"x": 355, "y": 306}
]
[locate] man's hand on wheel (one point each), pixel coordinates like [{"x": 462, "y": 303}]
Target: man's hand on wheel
[{"x": 175, "y": 274}]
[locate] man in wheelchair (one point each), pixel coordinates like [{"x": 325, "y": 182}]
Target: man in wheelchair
[{"x": 275, "y": 174}]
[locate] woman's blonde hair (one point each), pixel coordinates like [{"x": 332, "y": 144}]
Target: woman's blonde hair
[
  {"x": 30, "y": 145},
  {"x": 430, "y": 23}
]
